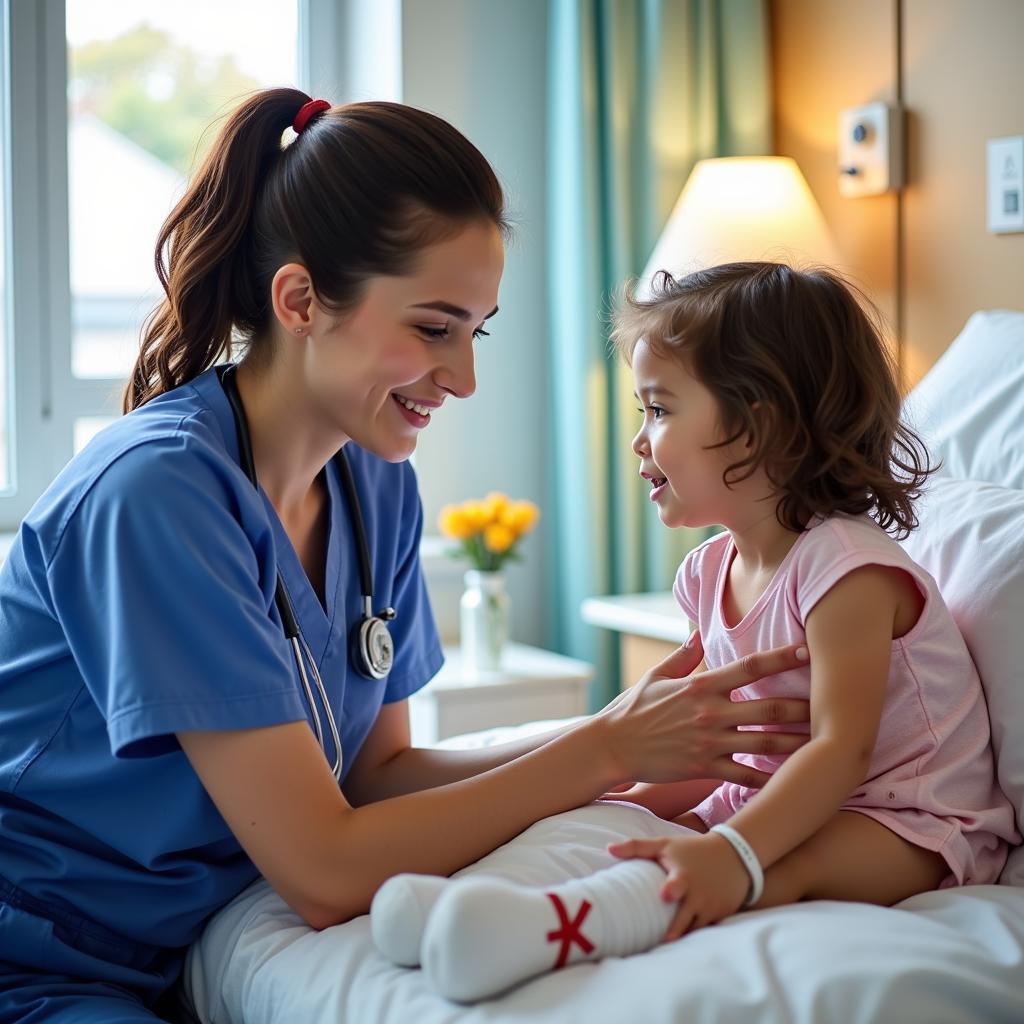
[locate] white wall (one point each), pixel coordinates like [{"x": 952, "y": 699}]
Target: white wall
[{"x": 481, "y": 64}]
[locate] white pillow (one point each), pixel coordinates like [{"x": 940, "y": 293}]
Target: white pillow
[
  {"x": 971, "y": 539},
  {"x": 969, "y": 408}
]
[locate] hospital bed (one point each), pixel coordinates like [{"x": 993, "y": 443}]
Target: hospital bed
[{"x": 956, "y": 955}]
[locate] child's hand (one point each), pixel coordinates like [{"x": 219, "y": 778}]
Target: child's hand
[{"x": 703, "y": 874}]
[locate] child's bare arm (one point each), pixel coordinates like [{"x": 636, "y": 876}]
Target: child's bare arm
[{"x": 849, "y": 634}]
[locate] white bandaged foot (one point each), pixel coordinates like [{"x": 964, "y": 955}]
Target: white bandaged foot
[
  {"x": 398, "y": 915},
  {"x": 485, "y": 935}
]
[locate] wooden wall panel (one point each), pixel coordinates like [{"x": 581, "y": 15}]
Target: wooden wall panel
[
  {"x": 963, "y": 73},
  {"x": 826, "y": 55},
  {"x": 925, "y": 256}
]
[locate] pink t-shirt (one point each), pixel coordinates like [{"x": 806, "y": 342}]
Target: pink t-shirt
[{"x": 932, "y": 778}]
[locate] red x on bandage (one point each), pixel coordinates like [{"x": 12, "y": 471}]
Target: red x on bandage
[{"x": 570, "y": 930}]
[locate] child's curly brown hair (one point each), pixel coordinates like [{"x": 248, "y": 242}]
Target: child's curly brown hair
[{"x": 798, "y": 366}]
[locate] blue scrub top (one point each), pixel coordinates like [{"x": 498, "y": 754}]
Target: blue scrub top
[{"x": 138, "y": 601}]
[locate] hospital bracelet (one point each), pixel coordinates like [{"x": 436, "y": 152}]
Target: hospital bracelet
[{"x": 750, "y": 861}]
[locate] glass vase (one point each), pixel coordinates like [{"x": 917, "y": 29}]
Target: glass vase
[{"x": 483, "y": 621}]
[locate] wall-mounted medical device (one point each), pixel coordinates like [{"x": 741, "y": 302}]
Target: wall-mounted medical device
[{"x": 870, "y": 149}]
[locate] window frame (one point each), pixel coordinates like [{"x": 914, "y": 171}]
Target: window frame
[
  {"x": 45, "y": 395},
  {"x": 36, "y": 240}
]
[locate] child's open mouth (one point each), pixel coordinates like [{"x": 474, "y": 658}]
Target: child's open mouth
[{"x": 657, "y": 486}]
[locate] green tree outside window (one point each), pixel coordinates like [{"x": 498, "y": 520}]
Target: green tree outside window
[{"x": 156, "y": 92}]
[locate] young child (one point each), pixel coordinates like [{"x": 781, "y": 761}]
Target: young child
[{"x": 769, "y": 407}]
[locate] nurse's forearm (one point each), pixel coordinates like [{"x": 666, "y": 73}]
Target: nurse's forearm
[
  {"x": 440, "y": 830},
  {"x": 419, "y": 768}
]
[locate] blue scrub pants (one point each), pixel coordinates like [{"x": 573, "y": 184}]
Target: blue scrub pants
[{"x": 56, "y": 966}]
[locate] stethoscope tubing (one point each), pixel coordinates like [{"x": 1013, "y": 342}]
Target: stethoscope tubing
[
  {"x": 289, "y": 620},
  {"x": 317, "y": 724}
]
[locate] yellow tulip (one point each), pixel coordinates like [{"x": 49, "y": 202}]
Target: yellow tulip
[
  {"x": 476, "y": 514},
  {"x": 520, "y": 517},
  {"x": 454, "y": 523},
  {"x": 498, "y": 538},
  {"x": 495, "y": 504}
]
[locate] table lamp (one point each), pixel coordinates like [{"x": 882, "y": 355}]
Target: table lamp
[{"x": 741, "y": 208}]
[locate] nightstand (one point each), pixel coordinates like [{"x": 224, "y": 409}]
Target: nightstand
[
  {"x": 652, "y": 627},
  {"x": 532, "y": 684}
]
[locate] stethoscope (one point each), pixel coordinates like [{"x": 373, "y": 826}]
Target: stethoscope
[{"x": 371, "y": 649}]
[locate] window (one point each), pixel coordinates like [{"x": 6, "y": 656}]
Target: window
[
  {"x": 5, "y": 402},
  {"x": 103, "y": 106},
  {"x": 144, "y": 81}
]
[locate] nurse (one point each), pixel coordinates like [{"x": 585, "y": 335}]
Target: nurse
[{"x": 162, "y": 741}]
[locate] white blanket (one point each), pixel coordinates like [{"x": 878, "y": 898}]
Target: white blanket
[{"x": 953, "y": 956}]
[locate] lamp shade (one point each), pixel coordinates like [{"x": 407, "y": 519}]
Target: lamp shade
[{"x": 741, "y": 208}]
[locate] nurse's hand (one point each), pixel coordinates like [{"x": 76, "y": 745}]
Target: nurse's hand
[{"x": 676, "y": 723}]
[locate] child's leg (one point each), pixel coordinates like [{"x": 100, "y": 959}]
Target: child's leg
[
  {"x": 690, "y": 820},
  {"x": 485, "y": 935},
  {"x": 399, "y": 912},
  {"x": 853, "y": 857},
  {"x": 403, "y": 904}
]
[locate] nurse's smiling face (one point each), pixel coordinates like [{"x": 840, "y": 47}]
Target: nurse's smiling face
[{"x": 385, "y": 370}]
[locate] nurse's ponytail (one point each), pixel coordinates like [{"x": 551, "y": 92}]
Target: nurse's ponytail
[{"x": 358, "y": 193}]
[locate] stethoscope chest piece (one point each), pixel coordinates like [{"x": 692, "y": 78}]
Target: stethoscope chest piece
[{"x": 373, "y": 650}]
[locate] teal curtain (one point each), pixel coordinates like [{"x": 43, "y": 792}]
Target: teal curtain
[{"x": 639, "y": 91}]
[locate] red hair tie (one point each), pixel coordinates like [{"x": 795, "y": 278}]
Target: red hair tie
[{"x": 307, "y": 112}]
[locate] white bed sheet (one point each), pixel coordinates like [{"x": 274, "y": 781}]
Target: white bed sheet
[{"x": 953, "y": 956}]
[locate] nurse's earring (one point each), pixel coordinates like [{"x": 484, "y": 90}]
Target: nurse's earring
[{"x": 298, "y": 330}]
